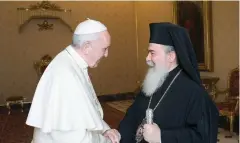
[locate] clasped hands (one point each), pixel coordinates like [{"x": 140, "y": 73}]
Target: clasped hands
[
  {"x": 113, "y": 135},
  {"x": 152, "y": 133}
]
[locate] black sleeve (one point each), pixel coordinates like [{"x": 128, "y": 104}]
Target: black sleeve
[
  {"x": 128, "y": 126},
  {"x": 193, "y": 132}
]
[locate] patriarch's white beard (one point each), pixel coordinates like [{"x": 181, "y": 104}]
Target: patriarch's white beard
[{"x": 154, "y": 79}]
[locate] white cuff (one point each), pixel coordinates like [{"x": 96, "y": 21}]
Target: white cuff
[{"x": 105, "y": 127}]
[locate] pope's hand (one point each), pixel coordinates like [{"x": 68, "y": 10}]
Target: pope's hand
[
  {"x": 152, "y": 133},
  {"x": 113, "y": 135}
]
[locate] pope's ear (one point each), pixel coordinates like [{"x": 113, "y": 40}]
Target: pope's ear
[{"x": 86, "y": 47}]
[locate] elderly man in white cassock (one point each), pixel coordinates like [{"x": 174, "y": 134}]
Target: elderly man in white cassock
[{"x": 65, "y": 108}]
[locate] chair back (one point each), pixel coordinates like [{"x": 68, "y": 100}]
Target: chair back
[{"x": 233, "y": 83}]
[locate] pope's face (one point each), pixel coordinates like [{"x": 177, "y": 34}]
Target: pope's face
[{"x": 99, "y": 49}]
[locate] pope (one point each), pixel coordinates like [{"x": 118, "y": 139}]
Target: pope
[{"x": 65, "y": 108}]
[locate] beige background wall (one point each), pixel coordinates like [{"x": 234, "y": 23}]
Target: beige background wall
[
  {"x": 225, "y": 40},
  {"x": 128, "y": 25},
  {"x": 115, "y": 74}
]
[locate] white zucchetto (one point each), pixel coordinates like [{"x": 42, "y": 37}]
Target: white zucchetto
[{"x": 90, "y": 26}]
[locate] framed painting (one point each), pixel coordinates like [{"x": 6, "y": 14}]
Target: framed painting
[{"x": 195, "y": 16}]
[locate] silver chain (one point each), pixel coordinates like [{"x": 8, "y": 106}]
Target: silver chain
[{"x": 164, "y": 92}]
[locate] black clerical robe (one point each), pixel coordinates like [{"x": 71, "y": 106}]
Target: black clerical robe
[{"x": 186, "y": 114}]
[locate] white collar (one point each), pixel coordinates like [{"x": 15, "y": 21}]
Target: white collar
[{"x": 79, "y": 60}]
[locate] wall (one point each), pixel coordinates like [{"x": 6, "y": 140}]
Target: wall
[
  {"x": 225, "y": 40},
  {"x": 128, "y": 25},
  {"x": 19, "y": 50}
]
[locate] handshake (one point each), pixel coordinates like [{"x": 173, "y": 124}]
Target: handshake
[
  {"x": 151, "y": 133},
  {"x": 113, "y": 135}
]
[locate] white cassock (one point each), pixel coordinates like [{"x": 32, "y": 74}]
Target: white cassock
[{"x": 65, "y": 108}]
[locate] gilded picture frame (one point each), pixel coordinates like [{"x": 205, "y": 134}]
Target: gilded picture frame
[{"x": 196, "y": 17}]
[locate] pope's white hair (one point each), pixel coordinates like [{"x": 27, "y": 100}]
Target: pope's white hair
[{"x": 79, "y": 39}]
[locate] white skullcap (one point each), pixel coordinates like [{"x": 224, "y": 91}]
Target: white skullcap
[{"x": 90, "y": 26}]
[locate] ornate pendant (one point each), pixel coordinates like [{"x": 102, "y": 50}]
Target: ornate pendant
[{"x": 139, "y": 134}]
